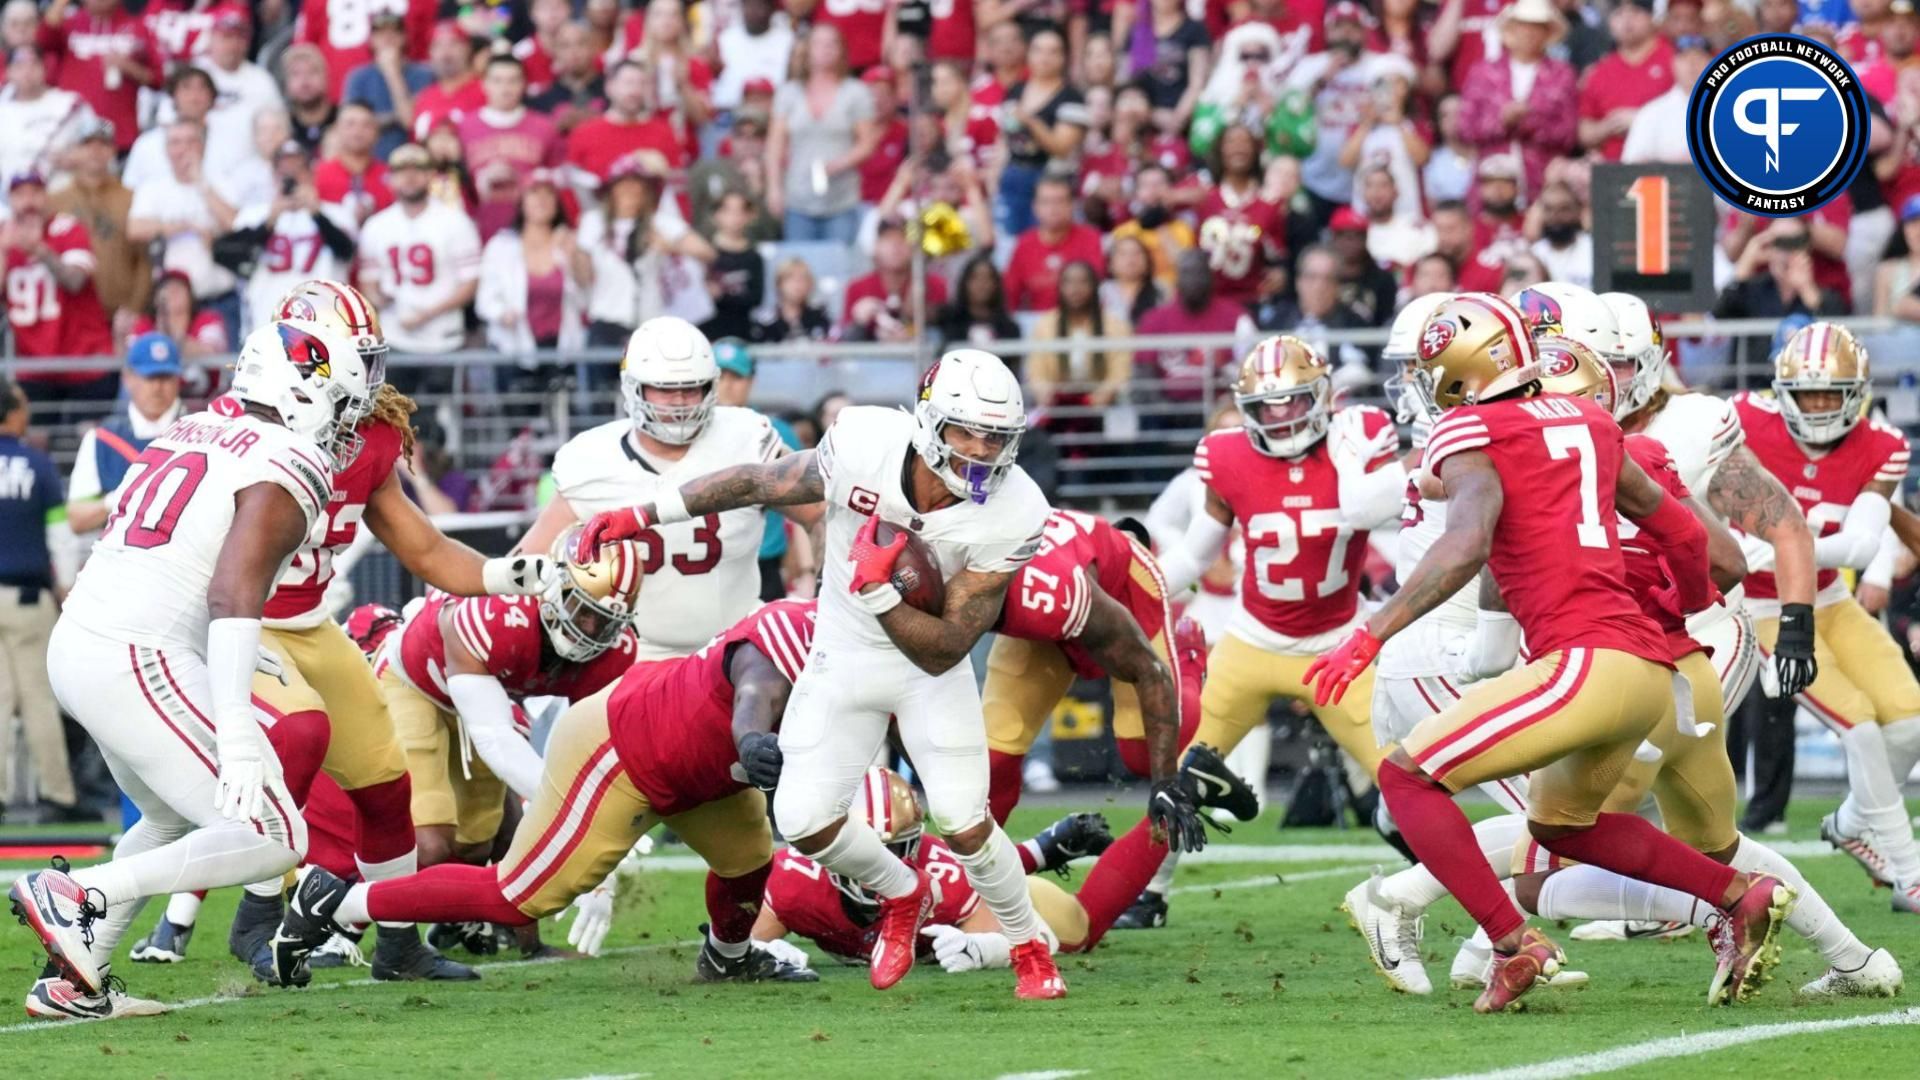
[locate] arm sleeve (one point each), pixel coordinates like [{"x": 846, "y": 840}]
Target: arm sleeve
[
  {"x": 1858, "y": 540},
  {"x": 1880, "y": 571},
  {"x": 1198, "y": 548},
  {"x": 1683, "y": 542},
  {"x": 333, "y": 234},
  {"x": 487, "y": 717},
  {"x": 1370, "y": 500},
  {"x": 83, "y": 484}
]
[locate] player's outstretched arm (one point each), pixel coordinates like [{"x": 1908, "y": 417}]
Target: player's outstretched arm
[
  {"x": 792, "y": 480},
  {"x": 1725, "y": 560},
  {"x": 486, "y": 711},
  {"x": 935, "y": 645},
  {"x": 1860, "y": 535},
  {"x": 1749, "y": 498},
  {"x": 760, "y": 695},
  {"x": 1474, "y": 499},
  {"x": 1188, "y": 559},
  {"x": 439, "y": 559},
  {"x": 1673, "y": 528},
  {"x": 1115, "y": 641}
]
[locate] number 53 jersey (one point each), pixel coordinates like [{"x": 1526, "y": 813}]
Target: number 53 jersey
[
  {"x": 702, "y": 575},
  {"x": 146, "y": 582}
]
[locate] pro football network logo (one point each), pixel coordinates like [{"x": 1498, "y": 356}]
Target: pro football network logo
[{"x": 1778, "y": 125}]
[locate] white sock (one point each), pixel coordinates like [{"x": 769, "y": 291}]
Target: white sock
[
  {"x": 382, "y": 871},
  {"x": 353, "y": 909},
  {"x": 1032, "y": 847},
  {"x": 1415, "y": 889},
  {"x": 1873, "y": 803},
  {"x": 1163, "y": 877},
  {"x": 183, "y": 909},
  {"x": 858, "y": 855},
  {"x": 210, "y": 857},
  {"x": 1903, "y": 748},
  {"x": 1588, "y": 892},
  {"x": 732, "y": 950},
  {"x": 1812, "y": 918},
  {"x": 995, "y": 874},
  {"x": 143, "y": 836}
]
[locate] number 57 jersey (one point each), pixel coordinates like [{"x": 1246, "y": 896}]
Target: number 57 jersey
[{"x": 146, "y": 582}]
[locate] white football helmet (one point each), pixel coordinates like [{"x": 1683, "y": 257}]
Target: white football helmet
[
  {"x": 974, "y": 390},
  {"x": 670, "y": 353},
  {"x": 1402, "y": 351},
  {"x": 1555, "y": 307},
  {"x": 310, "y": 375},
  {"x": 1644, "y": 362}
]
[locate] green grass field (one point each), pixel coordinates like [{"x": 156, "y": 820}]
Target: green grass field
[{"x": 1257, "y": 975}]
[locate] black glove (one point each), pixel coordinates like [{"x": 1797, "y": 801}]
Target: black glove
[
  {"x": 1173, "y": 811},
  {"x": 1793, "y": 651},
  {"x": 760, "y": 757}
]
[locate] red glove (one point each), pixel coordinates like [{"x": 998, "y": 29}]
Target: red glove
[
  {"x": 1336, "y": 669},
  {"x": 872, "y": 563},
  {"x": 608, "y": 526}
]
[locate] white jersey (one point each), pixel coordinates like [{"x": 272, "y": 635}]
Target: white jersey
[
  {"x": 863, "y": 459},
  {"x": 418, "y": 262},
  {"x": 146, "y": 582},
  {"x": 702, "y": 576},
  {"x": 294, "y": 252},
  {"x": 1422, "y": 649},
  {"x": 40, "y": 130}
]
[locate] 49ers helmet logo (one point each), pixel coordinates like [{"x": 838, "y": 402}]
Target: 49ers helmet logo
[
  {"x": 1541, "y": 312},
  {"x": 298, "y": 307},
  {"x": 1557, "y": 362},
  {"x": 1436, "y": 337}
]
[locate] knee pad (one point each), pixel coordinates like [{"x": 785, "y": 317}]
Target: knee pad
[{"x": 801, "y": 810}]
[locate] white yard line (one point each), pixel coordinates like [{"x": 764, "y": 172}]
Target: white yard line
[
  {"x": 613, "y": 1076},
  {"x": 1271, "y": 879},
  {"x": 1679, "y": 1046},
  {"x": 1049, "y": 1074}
]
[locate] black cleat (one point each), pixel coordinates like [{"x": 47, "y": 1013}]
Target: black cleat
[
  {"x": 253, "y": 925},
  {"x": 400, "y": 956},
  {"x": 307, "y": 925},
  {"x": 1076, "y": 836},
  {"x": 1149, "y": 912},
  {"x": 758, "y": 965},
  {"x": 166, "y": 945},
  {"x": 478, "y": 938},
  {"x": 1213, "y": 784},
  {"x": 340, "y": 950}
]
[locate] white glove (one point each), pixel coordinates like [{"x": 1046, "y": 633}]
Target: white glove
[
  {"x": 240, "y": 793},
  {"x": 593, "y": 917},
  {"x": 960, "y": 951},
  {"x": 786, "y": 952},
  {"x": 1350, "y": 447},
  {"x": 268, "y": 664},
  {"x": 517, "y": 575}
]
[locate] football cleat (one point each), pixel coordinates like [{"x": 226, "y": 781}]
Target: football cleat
[
  {"x": 1907, "y": 898},
  {"x": 897, "y": 932},
  {"x": 1392, "y": 936},
  {"x": 1631, "y": 930},
  {"x": 341, "y": 950},
  {"x": 1880, "y": 976},
  {"x": 1862, "y": 852},
  {"x": 1473, "y": 966},
  {"x": 307, "y": 925},
  {"x": 1036, "y": 977},
  {"x": 253, "y": 923},
  {"x": 756, "y": 965},
  {"x": 166, "y": 945},
  {"x": 1743, "y": 941},
  {"x": 1213, "y": 784},
  {"x": 477, "y": 938},
  {"x": 1148, "y": 912},
  {"x": 1512, "y": 975},
  {"x": 400, "y": 956},
  {"x": 56, "y": 909},
  {"x": 55, "y": 998},
  {"x": 1076, "y": 836}
]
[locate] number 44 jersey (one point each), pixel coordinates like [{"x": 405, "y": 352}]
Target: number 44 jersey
[
  {"x": 146, "y": 581},
  {"x": 702, "y": 576}
]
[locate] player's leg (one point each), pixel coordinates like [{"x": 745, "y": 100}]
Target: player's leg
[
  {"x": 1025, "y": 680},
  {"x": 479, "y": 801},
  {"x": 1117, "y": 879},
  {"x": 364, "y": 757},
  {"x": 1872, "y": 661},
  {"x": 829, "y": 734},
  {"x": 1062, "y": 914},
  {"x": 736, "y": 840}
]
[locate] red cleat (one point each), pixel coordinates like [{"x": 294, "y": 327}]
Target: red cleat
[
  {"x": 1537, "y": 961},
  {"x": 1743, "y": 941},
  {"x": 897, "y": 931},
  {"x": 1039, "y": 979}
]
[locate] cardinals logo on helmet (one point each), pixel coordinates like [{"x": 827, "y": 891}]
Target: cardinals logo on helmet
[
  {"x": 1541, "y": 312},
  {"x": 926, "y": 382},
  {"x": 1436, "y": 337},
  {"x": 307, "y": 352}
]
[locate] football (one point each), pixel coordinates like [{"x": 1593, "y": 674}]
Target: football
[{"x": 915, "y": 574}]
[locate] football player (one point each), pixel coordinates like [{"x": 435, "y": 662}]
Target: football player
[
  {"x": 1532, "y": 485},
  {"x": 947, "y": 473},
  {"x": 1843, "y": 472},
  {"x": 157, "y": 647},
  {"x": 687, "y": 742},
  {"x": 703, "y": 574}
]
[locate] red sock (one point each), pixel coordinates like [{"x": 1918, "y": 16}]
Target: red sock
[
  {"x": 450, "y": 892},
  {"x": 1117, "y": 878},
  {"x": 386, "y": 819},
  {"x": 1003, "y": 783},
  {"x": 299, "y": 740},
  {"x": 1029, "y": 862},
  {"x": 734, "y": 903},
  {"x": 332, "y": 824},
  {"x": 1440, "y": 834},
  {"x": 1630, "y": 846}
]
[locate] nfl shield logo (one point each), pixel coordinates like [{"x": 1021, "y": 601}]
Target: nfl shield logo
[
  {"x": 1809, "y": 469},
  {"x": 1296, "y": 474}
]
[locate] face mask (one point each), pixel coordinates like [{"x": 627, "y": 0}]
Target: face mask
[
  {"x": 1562, "y": 233},
  {"x": 1152, "y": 217}
]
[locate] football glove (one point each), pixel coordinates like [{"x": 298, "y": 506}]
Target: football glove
[
  {"x": 872, "y": 562},
  {"x": 960, "y": 951},
  {"x": 1175, "y": 816},
  {"x": 268, "y": 664},
  {"x": 517, "y": 575},
  {"x": 1332, "y": 672},
  {"x": 1794, "y": 668},
  {"x": 1349, "y": 446},
  {"x": 786, "y": 952},
  {"x": 760, "y": 757},
  {"x": 246, "y": 767},
  {"x": 608, "y": 526},
  {"x": 593, "y": 917}
]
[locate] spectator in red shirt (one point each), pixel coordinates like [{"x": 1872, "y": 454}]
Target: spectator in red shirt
[
  {"x": 684, "y": 90},
  {"x": 862, "y": 25},
  {"x": 105, "y": 55},
  {"x": 345, "y": 34},
  {"x": 536, "y": 51},
  {"x": 879, "y": 305},
  {"x": 630, "y": 126},
  {"x": 1033, "y": 273},
  {"x": 577, "y": 93},
  {"x": 52, "y": 307},
  {"x": 1006, "y": 53},
  {"x": 455, "y": 91},
  {"x": 198, "y": 331},
  {"x": 504, "y": 143},
  {"x": 1524, "y": 97},
  {"x": 967, "y": 127},
  {"x": 353, "y": 176},
  {"x": 1639, "y": 70},
  {"x": 881, "y": 166},
  {"x": 1184, "y": 371}
]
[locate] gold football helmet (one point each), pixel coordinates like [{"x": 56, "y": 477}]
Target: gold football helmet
[
  {"x": 1285, "y": 396},
  {"x": 1475, "y": 347},
  {"x": 340, "y": 307},
  {"x": 592, "y": 603},
  {"x": 1826, "y": 360},
  {"x": 887, "y": 804},
  {"x": 1568, "y": 367}
]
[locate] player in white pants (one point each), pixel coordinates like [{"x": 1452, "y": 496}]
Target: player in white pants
[
  {"x": 945, "y": 473},
  {"x": 156, "y": 652}
]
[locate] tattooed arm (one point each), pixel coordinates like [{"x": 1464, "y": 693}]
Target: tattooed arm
[
  {"x": 1115, "y": 641},
  {"x": 1748, "y": 497},
  {"x": 1474, "y": 500},
  {"x": 935, "y": 645}
]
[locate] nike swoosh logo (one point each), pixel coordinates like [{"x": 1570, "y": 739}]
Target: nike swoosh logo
[
  {"x": 1380, "y": 951},
  {"x": 1221, "y": 785}
]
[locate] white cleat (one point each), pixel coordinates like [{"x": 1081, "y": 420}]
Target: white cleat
[
  {"x": 57, "y": 910},
  {"x": 1859, "y": 848},
  {"x": 1631, "y": 930},
  {"x": 1473, "y": 966},
  {"x": 54, "y": 998},
  {"x": 1880, "y": 976},
  {"x": 1393, "y": 936},
  {"x": 1907, "y": 898}
]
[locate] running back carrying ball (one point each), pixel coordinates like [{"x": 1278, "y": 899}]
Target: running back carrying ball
[{"x": 915, "y": 573}]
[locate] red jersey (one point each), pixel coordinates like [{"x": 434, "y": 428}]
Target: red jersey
[
  {"x": 364, "y": 193},
  {"x": 48, "y": 320},
  {"x": 536, "y": 62},
  {"x": 76, "y": 54},
  {"x": 1556, "y": 546},
  {"x": 954, "y": 35},
  {"x": 802, "y": 895},
  {"x": 1033, "y": 273},
  {"x": 1612, "y": 83},
  {"x": 1049, "y": 598},
  {"x": 1824, "y": 486},
  {"x": 1302, "y": 574},
  {"x": 873, "y": 286},
  {"x": 881, "y": 166},
  {"x": 1184, "y": 370},
  {"x": 179, "y": 28},
  {"x": 506, "y": 635},
  {"x": 599, "y": 144},
  {"x": 302, "y": 588},
  {"x": 671, "y": 721},
  {"x": 1647, "y": 572},
  {"x": 1242, "y": 243},
  {"x": 501, "y": 158},
  {"x": 862, "y": 25},
  {"x": 343, "y": 30},
  {"x": 436, "y": 105}
]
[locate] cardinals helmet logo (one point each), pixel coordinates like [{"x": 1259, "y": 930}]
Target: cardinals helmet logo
[{"x": 1541, "y": 312}]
